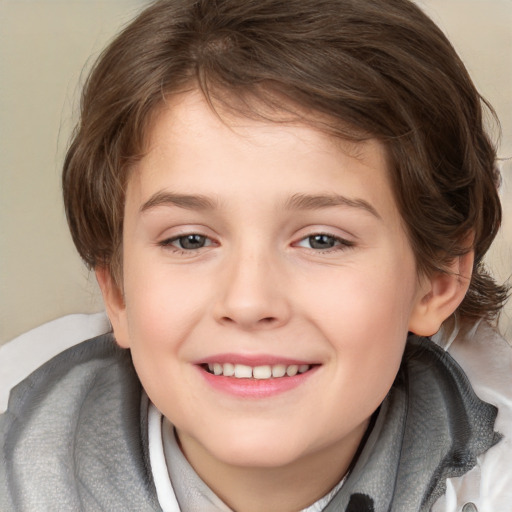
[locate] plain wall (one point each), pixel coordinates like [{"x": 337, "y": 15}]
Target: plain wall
[{"x": 45, "y": 44}]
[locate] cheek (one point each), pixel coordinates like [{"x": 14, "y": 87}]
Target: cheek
[
  {"x": 159, "y": 321},
  {"x": 364, "y": 298},
  {"x": 161, "y": 300},
  {"x": 364, "y": 317}
]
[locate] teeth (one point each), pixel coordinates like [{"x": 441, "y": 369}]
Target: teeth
[
  {"x": 292, "y": 370},
  {"x": 229, "y": 369},
  {"x": 242, "y": 371},
  {"x": 262, "y": 372},
  {"x": 279, "y": 370}
]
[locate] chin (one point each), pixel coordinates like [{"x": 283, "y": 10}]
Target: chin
[
  {"x": 256, "y": 450},
  {"x": 264, "y": 458}
]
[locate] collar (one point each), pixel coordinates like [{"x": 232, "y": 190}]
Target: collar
[
  {"x": 176, "y": 480},
  {"x": 431, "y": 427}
]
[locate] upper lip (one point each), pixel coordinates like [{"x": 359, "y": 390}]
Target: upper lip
[{"x": 253, "y": 360}]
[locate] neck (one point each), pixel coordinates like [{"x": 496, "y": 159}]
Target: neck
[{"x": 286, "y": 488}]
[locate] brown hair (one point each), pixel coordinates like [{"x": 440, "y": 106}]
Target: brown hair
[{"x": 380, "y": 67}]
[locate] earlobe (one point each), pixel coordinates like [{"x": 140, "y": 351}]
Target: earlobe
[
  {"x": 114, "y": 304},
  {"x": 440, "y": 295}
]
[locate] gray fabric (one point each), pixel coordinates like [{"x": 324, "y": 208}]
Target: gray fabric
[
  {"x": 71, "y": 437},
  {"x": 431, "y": 427},
  {"x": 192, "y": 493},
  {"x": 74, "y": 436}
]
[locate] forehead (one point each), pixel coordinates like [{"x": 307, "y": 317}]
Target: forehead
[
  {"x": 192, "y": 147},
  {"x": 188, "y": 117}
]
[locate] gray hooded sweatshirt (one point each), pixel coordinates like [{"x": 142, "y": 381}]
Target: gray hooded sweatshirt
[{"x": 74, "y": 437}]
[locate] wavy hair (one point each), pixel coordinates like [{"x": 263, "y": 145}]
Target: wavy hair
[{"x": 356, "y": 68}]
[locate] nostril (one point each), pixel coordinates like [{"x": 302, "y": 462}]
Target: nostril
[{"x": 250, "y": 323}]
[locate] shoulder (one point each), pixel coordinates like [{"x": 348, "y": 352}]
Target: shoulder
[
  {"x": 72, "y": 433},
  {"x": 29, "y": 351},
  {"x": 486, "y": 358},
  {"x": 67, "y": 381}
]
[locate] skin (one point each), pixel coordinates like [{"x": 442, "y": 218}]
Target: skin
[{"x": 257, "y": 284}]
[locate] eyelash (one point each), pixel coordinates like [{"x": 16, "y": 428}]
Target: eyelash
[
  {"x": 339, "y": 244},
  {"x": 168, "y": 243}
]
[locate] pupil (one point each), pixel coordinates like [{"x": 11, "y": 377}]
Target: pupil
[
  {"x": 321, "y": 241},
  {"x": 192, "y": 241}
]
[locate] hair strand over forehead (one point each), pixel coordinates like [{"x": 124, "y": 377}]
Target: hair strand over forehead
[{"x": 355, "y": 68}]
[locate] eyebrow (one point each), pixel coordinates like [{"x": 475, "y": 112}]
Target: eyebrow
[
  {"x": 295, "y": 202},
  {"x": 314, "y": 202},
  {"x": 189, "y": 202}
]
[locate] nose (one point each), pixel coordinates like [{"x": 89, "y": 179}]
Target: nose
[{"x": 253, "y": 294}]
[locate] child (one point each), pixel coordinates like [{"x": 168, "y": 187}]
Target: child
[{"x": 280, "y": 200}]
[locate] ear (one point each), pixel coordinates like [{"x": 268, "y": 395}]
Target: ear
[
  {"x": 115, "y": 305},
  {"x": 440, "y": 295}
]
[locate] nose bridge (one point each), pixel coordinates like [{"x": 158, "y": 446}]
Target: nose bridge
[{"x": 252, "y": 295}]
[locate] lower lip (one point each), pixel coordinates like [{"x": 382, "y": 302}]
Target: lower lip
[{"x": 255, "y": 388}]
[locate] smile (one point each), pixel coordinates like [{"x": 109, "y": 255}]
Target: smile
[
  {"x": 257, "y": 376},
  {"x": 263, "y": 372}
]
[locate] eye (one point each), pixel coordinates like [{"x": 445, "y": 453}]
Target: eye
[
  {"x": 190, "y": 242},
  {"x": 323, "y": 241}
]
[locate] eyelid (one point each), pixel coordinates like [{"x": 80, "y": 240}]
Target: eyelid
[
  {"x": 167, "y": 242},
  {"x": 342, "y": 244}
]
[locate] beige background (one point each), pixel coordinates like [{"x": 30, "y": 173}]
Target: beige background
[{"x": 44, "y": 46}]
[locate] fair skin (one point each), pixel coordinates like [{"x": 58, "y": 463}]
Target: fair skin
[{"x": 269, "y": 246}]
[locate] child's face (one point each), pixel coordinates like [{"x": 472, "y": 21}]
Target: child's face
[{"x": 263, "y": 245}]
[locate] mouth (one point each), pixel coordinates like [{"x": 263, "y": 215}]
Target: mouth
[
  {"x": 261, "y": 372},
  {"x": 257, "y": 376}
]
